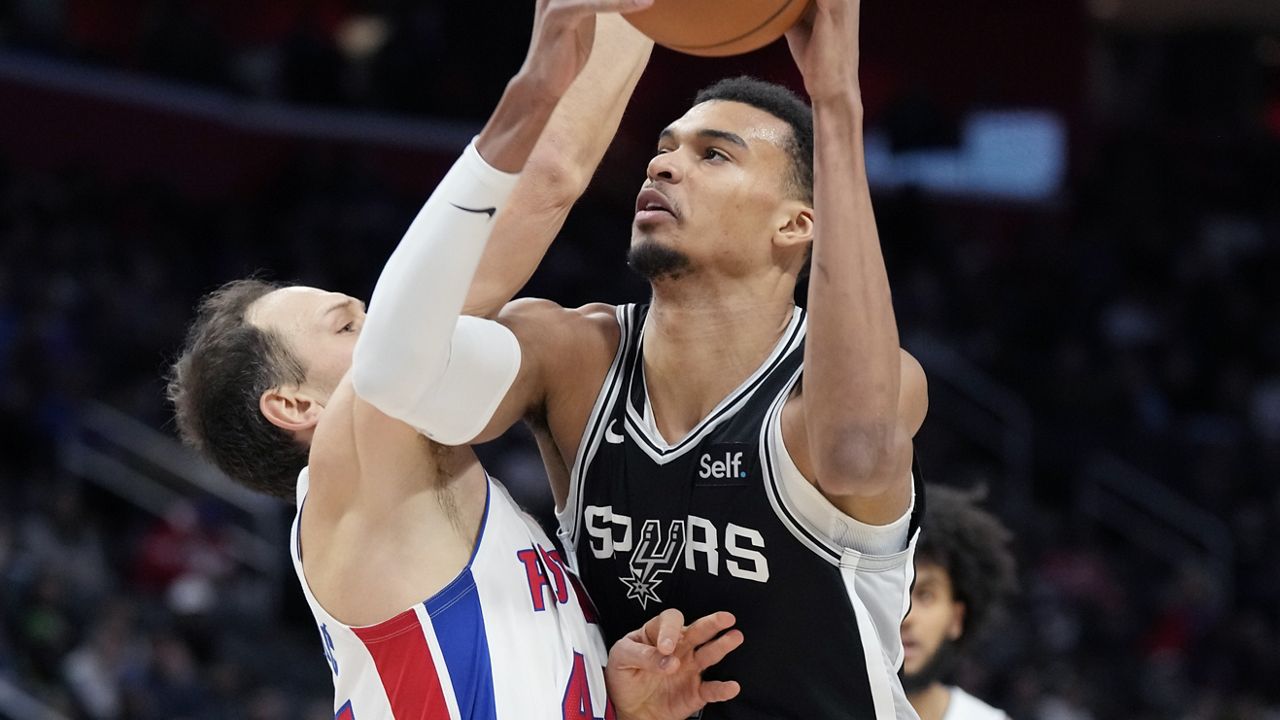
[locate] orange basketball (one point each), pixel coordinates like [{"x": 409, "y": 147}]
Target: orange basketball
[{"x": 717, "y": 27}]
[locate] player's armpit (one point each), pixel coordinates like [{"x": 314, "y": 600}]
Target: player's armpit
[
  {"x": 882, "y": 496},
  {"x": 350, "y": 430}
]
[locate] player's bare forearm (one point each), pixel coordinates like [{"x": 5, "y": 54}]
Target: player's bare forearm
[
  {"x": 852, "y": 364},
  {"x": 561, "y": 164},
  {"x": 508, "y": 138}
]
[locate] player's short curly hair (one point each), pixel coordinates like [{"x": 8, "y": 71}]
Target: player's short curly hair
[{"x": 972, "y": 546}]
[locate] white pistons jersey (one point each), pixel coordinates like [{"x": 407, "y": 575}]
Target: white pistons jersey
[{"x": 512, "y": 636}]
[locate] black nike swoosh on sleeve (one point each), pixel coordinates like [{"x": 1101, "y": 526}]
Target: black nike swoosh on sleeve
[{"x": 490, "y": 211}]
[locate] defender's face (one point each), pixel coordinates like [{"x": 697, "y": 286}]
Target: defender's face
[
  {"x": 935, "y": 616},
  {"x": 716, "y": 187},
  {"x": 319, "y": 328}
]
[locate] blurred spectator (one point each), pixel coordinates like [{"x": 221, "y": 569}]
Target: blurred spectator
[
  {"x": 96, "y": 670},
  {"x": 67, "y": 540},
  {"x": 178, "y": 553}
]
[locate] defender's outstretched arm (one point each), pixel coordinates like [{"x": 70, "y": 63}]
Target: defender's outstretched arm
[
  {"x": 416, "y": 360},
  {"x": 561, "y": 165}
]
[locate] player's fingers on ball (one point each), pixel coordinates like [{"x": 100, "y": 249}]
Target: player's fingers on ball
[
  {"x": 719, "y": 691},
  {"x": 716, "y": 650},
  {"x": 608, "y": 6},
  {"x": 707, "y": 627}
]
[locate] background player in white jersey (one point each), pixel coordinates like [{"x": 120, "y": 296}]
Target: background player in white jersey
[
  {"x": 434, "y": 596},
  {"x": 682, "y": 481},
  {"x": 964, "y": 571}
]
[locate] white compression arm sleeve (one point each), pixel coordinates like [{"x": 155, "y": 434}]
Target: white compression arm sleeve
[{"x": 416, "y": 360}]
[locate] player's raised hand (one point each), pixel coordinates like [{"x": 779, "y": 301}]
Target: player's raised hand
[
  {"x": 563, "y": 31},
  {"x": 825, "y": 46},
  {"x": 655, "y": 673}
]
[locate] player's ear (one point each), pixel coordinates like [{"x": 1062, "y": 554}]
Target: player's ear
[
  {"x": 956, "y": 628},
  {"x": 794, "y": 226},
  {"x": 290, "y": 408}
]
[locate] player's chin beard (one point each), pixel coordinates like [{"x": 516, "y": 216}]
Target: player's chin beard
[
  {"x": 940, "y": 666},
  {"x": 652, "y": 261}
]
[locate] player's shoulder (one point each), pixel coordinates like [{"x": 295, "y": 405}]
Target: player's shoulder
[
  {"x": 530, "y": 308},
  {"x": 540, "y": 321}
]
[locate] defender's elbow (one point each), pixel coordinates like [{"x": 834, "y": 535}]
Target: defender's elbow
[
  {"x": 381, "y": 381},
  {"x": 370, "y": 383}
]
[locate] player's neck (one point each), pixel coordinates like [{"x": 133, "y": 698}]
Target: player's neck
[
  {"x": 700, "y": 346},
  {"x": 932, "y": 702}
]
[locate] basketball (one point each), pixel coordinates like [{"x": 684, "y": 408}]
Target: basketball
[{"x": 716, "y": 28}]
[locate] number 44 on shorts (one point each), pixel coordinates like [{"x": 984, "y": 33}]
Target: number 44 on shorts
[{"x": 577, "y": 695}]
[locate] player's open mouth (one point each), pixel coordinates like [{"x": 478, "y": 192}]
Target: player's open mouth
[{"x": 652, "y": 205}]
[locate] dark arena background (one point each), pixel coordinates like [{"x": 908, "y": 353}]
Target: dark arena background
[{"x": 1079, "y": 203}]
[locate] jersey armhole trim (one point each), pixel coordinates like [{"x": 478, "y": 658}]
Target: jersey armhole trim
[
  {"x": 592, "y": 432},
  {"x": 813, "y": 519},
  {"x": 464, "y": 574}
]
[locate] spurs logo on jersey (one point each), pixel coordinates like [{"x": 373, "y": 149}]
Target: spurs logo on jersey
[
  {"x": 655, "y": 555},
  {"x": 694, "y": 544}
]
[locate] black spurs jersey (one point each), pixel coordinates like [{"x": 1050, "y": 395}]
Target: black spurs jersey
[{"x": 723, "y": 520}]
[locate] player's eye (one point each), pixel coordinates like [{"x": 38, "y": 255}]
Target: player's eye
[
  {"x": 714, "y": 154},
  {"x": 349, "y": 327}
]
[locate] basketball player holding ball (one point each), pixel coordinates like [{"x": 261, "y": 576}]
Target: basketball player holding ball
[
  {"x": 721, "y": 448},
  {"x": 434, "y": 596}
]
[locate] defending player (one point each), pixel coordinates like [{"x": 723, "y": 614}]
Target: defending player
[
  {"x": 693, "y": 466},
  {"x": 964, "y": 571},
  {"x": 435, "y": 597}
]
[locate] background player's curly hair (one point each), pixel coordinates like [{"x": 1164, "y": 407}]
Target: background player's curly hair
[{"x": 972, "y": 546}]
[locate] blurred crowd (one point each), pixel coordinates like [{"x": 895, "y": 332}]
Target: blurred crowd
[
  {"x": 367, "y": 53},
  {"x": 1138, "y": 316}
]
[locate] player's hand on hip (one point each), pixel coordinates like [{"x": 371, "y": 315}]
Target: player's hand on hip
[
  {"x": 655, "y": 672},
  {"x": 825, "y": 46},
  {"x": 563, "y": 31}
]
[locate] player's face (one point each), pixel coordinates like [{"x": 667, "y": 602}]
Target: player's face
[
  {"x": 319, "y": 328},
  {"x": 935, "y": 616},
  {"x": 717, "y": 188}
]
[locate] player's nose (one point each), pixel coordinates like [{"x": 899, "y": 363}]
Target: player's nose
[{"x": 666, "y": 167}]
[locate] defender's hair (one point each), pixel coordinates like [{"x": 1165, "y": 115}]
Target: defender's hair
[
  {"x": 972, "y": 546},
  {"x": 215, "y": 386}
]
